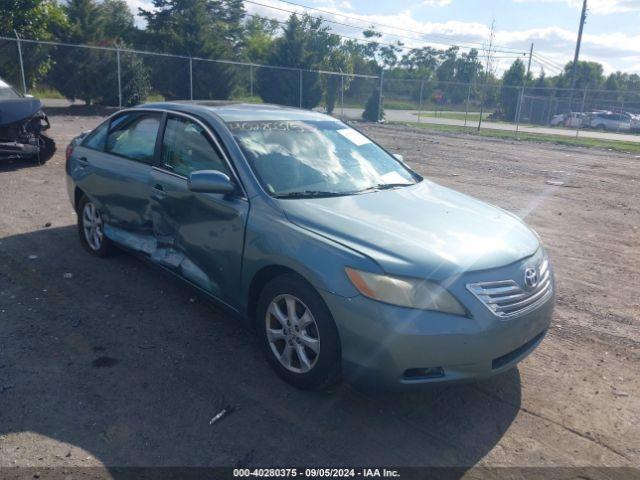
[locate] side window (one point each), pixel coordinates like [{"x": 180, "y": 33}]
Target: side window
[
  {"x": 97, "y": 139},
  {"x": 133, "y": 136},
  {"x": 186, "y": 148}
]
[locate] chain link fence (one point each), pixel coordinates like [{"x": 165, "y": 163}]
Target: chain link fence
[{"x": 116, "y": 76}]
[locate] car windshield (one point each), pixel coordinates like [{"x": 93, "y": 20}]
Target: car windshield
[
  {"x": 6, "y": 91},
  {"x": 304, "y": 158}
]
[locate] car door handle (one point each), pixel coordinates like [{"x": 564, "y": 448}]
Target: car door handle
[
  {"x": 83, "y": 162},
  {"x": 158, "y": 192}
]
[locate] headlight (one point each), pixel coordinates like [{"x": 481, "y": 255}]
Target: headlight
[{"x": 405, "y": 292}]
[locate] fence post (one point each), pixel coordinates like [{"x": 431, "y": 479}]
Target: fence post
[
  {"x": 341, "y": 95},
  {"x": 621, "y": 112},
  {"x": 420, "y": 102},
  {"x": 119, "y": 77},
  {"x": 300, "y": 72},
  {"x": 519, "y": 110},
  {"x": 466, "y": 107},
  {"x": 24, "y": 81},
  {"x": 584, "y": 98},
  {"x": 481, "y": 103},
  {"x": 190, "y": 77},
  {"x": 251, "y": 80},
  {"x": 380, "y": 96}
]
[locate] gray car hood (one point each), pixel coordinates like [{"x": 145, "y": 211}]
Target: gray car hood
[
  {"x": 16, "y": 109},
  {"x": 425, "y": 230}
]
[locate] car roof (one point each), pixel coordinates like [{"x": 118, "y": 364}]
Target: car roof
[{"x": 243, "y": 112}]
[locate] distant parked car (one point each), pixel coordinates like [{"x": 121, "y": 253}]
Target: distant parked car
[
  {"x": 569, "y": 120},
  {"x": 22, "y": 123},
  {"x": 557, "y": 120},
  {"x": 617, "y": 122},
  {"x": 574, "y": 120}
]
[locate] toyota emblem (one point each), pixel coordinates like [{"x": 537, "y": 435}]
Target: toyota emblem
[{"x": 531, "y": 278}]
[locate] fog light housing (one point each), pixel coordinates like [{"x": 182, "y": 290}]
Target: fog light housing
[{"x": 423, "y": 373}]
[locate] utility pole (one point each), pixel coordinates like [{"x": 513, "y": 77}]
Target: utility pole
[
  {"x": 489, "y": 66},
  {"x": 530, "y": 57},
  {"x": 583, "y": 19}
]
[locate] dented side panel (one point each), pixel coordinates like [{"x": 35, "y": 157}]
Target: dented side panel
[{"x": 200, "y": 236}]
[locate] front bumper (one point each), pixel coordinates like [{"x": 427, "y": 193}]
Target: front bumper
[
  {"x": 15, "y": 150},
  {"x": 388, "y": 346}
]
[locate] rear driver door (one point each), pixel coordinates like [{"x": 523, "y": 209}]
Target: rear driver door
[{"x": 116, "y": 161}]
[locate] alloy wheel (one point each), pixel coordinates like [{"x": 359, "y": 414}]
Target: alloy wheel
[
  {"x": 292, "y": 333},
  {"x": 92, "y": 226}
]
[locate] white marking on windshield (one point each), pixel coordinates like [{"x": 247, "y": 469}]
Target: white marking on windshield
[{"x": 354, "y": 136}]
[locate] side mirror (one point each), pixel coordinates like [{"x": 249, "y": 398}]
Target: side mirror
[
  {"x": 210, "y": 181},
  {"x": 399, "y": 157}
]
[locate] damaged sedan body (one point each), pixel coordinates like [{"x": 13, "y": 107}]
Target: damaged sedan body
[
  {"x": 345, "y": 260},
  {"x": 22, "y": 123}
]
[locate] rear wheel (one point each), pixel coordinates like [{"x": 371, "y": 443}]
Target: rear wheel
[
  {"x": 299, "y": 336},
  {"x": 91, "y": 229}
]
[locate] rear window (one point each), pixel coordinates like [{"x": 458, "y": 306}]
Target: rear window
[
  {"x": 133, "y": 136},
  {"x": 97, "y": 139}
]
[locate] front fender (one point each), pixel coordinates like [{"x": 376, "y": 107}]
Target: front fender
[{"x": 272, "y": 240}]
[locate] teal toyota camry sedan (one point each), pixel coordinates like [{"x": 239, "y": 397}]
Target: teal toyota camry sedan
[{"x": 348, "y": 263}]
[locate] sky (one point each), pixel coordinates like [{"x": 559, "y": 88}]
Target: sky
[{"x": 611, "y": 34}]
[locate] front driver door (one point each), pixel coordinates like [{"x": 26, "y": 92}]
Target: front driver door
[{"x": 199, "y": 235}]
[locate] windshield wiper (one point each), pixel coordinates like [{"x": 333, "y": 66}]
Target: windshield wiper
[
  {"x": 384, "y": 186},
  {"x": 309, "y": 194}
]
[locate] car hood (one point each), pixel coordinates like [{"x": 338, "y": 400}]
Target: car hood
[
  {"x": 18, "y": 109},
  {"x": 425, "y": 230}
]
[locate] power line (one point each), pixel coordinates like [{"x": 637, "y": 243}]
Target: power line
[
  {"x": 401, "y": 47},
  {"x": 435, "y": 35},
  {"x": 549, "y": 60},
  {"x": 347, "y": 37},
  {"x": 547, "y": 66},
  {"x": 422, "y": 40}
]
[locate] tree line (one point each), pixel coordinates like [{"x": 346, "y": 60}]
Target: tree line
[{"x": 222, "y": 29}]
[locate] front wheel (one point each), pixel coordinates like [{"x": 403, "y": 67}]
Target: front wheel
[
  {"x": 47, "y": 148},
  {"x": 91, "y": 229},
  {"x": 299, "y": 336}
]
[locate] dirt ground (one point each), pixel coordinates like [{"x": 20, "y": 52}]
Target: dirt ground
[{"x": 109, "y": 362}]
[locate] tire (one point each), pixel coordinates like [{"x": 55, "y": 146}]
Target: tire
[
  {"x": 601, "y": 128},
  {"x": 320, "y": 370},
  {"x": 47, "y": 149},
  {"x": 98, "y": 245}
]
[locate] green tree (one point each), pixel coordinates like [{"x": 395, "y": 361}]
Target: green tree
[
  {"x": 32, "y": 19},
  {"x": 118, "y": 21},
  {"x": 94, "y": 77},
  {"x": 373, "y": 110},
  {"x": 259, "y": 35},
  {"x": 512, "y": 80},
  {"x": 305, "y": 44},
  {"x": 335, "y": 85},
  {"x": 612, "y": 83},
  {"x": 85, "y": 26},
  {"x": 588, "y": 75},
  {"x": 210, "y": 29}
]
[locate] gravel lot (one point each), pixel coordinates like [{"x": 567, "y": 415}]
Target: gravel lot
[{"x": 109, "y": 362}]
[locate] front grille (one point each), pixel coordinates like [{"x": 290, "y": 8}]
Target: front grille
[{"x": 505, "y": 298}]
